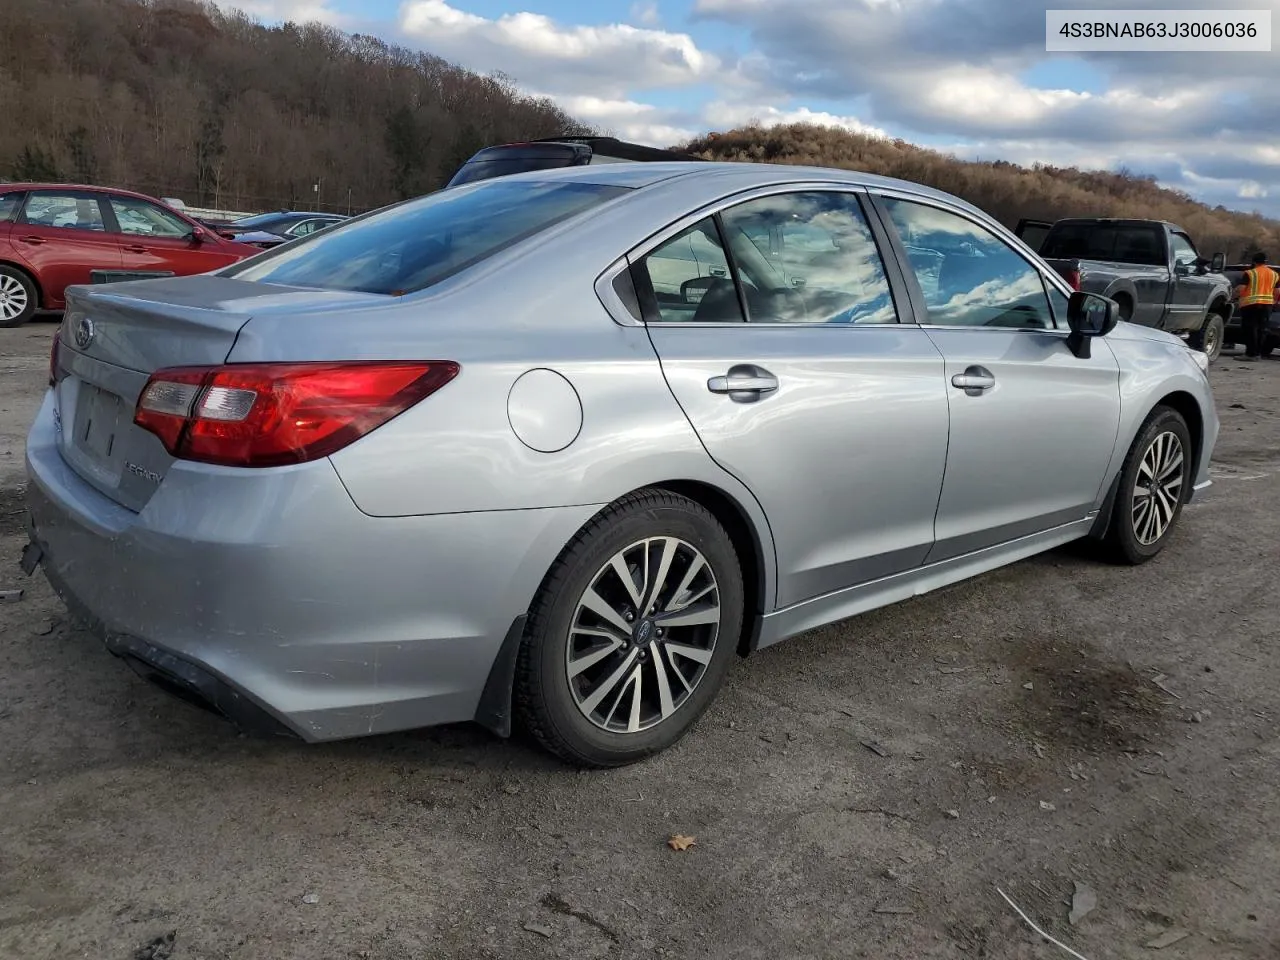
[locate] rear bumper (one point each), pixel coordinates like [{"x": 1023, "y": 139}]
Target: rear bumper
[{"x": 268, "y": 595}]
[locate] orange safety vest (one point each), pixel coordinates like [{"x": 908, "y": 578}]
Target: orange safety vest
[{"x": 1259, "y": 287}]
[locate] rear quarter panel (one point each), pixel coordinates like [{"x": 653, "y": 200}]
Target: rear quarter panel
[{"x": 535, "y": 309}]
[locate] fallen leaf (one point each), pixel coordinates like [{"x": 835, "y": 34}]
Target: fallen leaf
[
  {"x": 541, "y": 929},
  {"x": 953, "y": 814},
  {"x": 1083, "y": 903},
  {"x": 1045, "y": 805},
  {"x": 875, "y": 748},
  {"x": 311, "y": 898},
  {"x": 1167, "y": 939},
  {"x": 679, "y": 841},
  {"x": 1028, "y": 686}
]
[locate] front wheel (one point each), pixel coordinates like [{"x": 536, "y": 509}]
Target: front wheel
[
  {"x": 1209, "y": 337},
  {"x": 1154, "y": 484},
  {"x": 631, "y": 633}
]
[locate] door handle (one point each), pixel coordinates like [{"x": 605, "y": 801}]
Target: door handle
[
  {"x": 744, "y": 383},
  {"x": 135, "y": 248},
  {"x": 974, "y": 380},
  {"x": 716, "y": 271},
  {"x": 34, "y": 240}
]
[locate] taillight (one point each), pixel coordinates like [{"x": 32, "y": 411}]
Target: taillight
[
  {"x": 270, "y": 414},
  {"x": 1073, "y": 278},
  {"x": 53, "y": 359}
]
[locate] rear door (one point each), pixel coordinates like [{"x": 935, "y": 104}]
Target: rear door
[
  {"x": 62, "y": 236},
  {"x": 817, "y": 398},
  {"x": 154, "y": 239},
  {"x": 1032, "y": 425}
]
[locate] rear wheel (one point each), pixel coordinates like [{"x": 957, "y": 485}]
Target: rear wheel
[
  {"x": 632, "y": 632},
  {"x": 1154, "y": 484},
  {"x": 18, "y": 298}
]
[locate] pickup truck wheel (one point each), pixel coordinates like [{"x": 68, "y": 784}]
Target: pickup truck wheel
[{"x": 1209, "y": 337}]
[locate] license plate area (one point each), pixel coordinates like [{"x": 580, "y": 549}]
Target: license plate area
[{"x": 97, "y": 425}]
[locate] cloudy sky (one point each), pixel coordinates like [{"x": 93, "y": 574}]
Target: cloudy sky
[{"x": 970, "y": 77}]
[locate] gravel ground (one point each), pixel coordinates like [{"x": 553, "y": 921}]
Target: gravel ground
[{"x": 858, "y": 792}]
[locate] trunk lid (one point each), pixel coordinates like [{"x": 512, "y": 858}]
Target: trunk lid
[{"x": 114, "y": 336}]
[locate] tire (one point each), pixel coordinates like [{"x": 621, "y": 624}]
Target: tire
[
  {"x": 1208, "y": 339},
  {"x": 570, "y": 716},
  {"x": 19, "y": 298},
  {"x": 1130, "y": 537}
]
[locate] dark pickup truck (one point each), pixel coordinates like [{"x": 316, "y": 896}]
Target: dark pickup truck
[{"x": 1148, "y": 267}]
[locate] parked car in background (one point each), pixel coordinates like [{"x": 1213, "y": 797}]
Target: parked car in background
[
  {"x": 519, "y": 447},
  {"x": 1234, "y": 332},
  {"x": 273, "y": 229},
  {"x": 1148, "y": 267},
  {"x": 555, "y": 152},
  {"x": 55, "y": 235}
]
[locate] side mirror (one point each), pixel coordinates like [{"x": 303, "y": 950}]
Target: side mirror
[
  {"x": 1089, "y": 315},
  {"x": 196, "y": 235},
  {"x": 1218, "y": 263}
]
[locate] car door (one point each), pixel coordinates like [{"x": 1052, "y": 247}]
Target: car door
[
  {"x": 61, "y": 235},
  {"x": 1033, "y": 426},
  {"x": 1192, "y": 287},
  {"x": 156, "y": 240},
  {"x": 818, "y": 399}
]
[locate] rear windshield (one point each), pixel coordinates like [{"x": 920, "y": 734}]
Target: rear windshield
[
  {"x": 264, "y": 220},
  {"x": 1123, "y": 243},
  {"x": 421, "y": 242}
]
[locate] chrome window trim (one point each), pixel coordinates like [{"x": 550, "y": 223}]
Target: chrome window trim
[{"x": 658, "y": 238}]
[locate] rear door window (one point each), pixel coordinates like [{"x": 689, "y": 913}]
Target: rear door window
[
  {"x": 74, "y": 211},
  {"x": 413, "y": 245},
  {"x": 1123, "y": 243},
  {"x": 10, "y": 204}
]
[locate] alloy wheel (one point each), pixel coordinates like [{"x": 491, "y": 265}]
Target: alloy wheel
[
  {"x": 643, "y": 634},
  {"x": 1157, "y": 490},
  {"x": 13, "y": 297}
]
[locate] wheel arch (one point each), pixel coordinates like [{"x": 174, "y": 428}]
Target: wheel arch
[
  {"x": 1189, "y": 408},
  {"x": 747, "y": 543},
  {"x": 1187, "y": 405},
  {"x": 494, "y": 709},
  {"x": 26, "y": 272}
]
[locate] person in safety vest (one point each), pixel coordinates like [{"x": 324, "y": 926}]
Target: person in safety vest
[{"x": 1258, "y": 296}]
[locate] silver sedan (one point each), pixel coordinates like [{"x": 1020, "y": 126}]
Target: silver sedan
[{"x": 554, "y": 448}]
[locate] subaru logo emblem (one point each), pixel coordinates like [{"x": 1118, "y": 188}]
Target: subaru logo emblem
[
  {"x": 84, "y": 333},
  {"x": 644, "y": 632}
]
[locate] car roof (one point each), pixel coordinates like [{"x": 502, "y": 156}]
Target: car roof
[
  {"x": 744, "y": 176},
  {"x": 10, "y": 187}
]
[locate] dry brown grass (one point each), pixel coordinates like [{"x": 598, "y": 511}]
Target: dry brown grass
[{"x": 1005, "y": 190}]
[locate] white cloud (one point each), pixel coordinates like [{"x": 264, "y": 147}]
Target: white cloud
[
  {"x": 628, "y": 120},
  {"x": 537, "y": 51},
  {"x": 723, "y": 116}
]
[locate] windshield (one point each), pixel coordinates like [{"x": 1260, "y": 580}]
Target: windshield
[
  {"x": 264, "y": 220},
  {"x": 421, "y": 242}
]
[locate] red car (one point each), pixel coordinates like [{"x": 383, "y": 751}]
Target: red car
[{"x": 53, "y": 235}]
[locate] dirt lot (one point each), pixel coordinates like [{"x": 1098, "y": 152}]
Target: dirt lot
[{"x": 858, "y": 792}]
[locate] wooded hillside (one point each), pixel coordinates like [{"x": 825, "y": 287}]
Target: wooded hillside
[
  {"x": 179, "y": 99},
  {"x": 1005, "y": 190}
]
